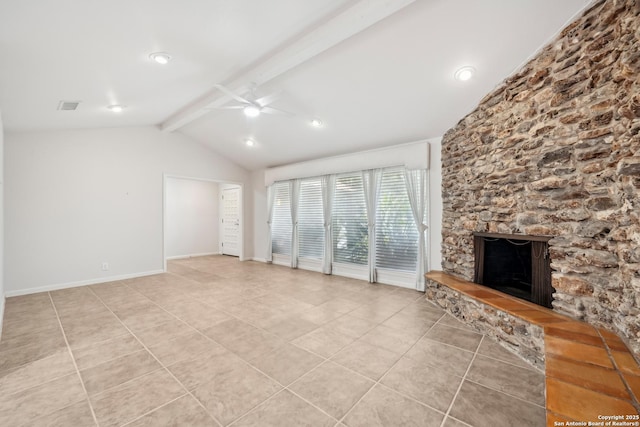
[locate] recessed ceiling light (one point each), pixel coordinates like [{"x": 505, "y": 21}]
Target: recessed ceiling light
[
  {"x": 249, "y": 142},
  {"x": 251, "y": 110},
  {"x": 161, "y": 57},
  {"x": 116, "y": 108},
  {"x": 316, "y": 123},
  {"x": 465, "y": 73}
]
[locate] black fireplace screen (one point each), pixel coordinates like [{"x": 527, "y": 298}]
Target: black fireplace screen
[{"x": 514, "y": 264}]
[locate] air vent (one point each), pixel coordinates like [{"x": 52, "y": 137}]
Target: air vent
[{"x": 68, "y": 105}]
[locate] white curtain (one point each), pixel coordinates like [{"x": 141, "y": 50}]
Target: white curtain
[
  {"x": 328, "y": 195},
  {"x": 271, "y": 198},
  {"x": 371, "y": 182},
  {"x": 294, "y": 196},
  {"x": 417, "y": 189}
]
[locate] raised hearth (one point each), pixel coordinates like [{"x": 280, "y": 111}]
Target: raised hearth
[{"x": 589, "y": 370}]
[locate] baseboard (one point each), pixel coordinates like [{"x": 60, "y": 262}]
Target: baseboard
[
  {"x": 171, "y": 258},
  {"x": 59, "y": 286},
  {"x": 258, "y": 259}
]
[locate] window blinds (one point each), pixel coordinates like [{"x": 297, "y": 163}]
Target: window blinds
[
  {"x": 281, "y": 221},
  {"x": 310, "y": 219},
  {"x": 396, "y": 231},
  {"x": 350, "y": 239}
]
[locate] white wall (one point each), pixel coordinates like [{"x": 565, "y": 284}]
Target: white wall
[
  {"x": 1, "y": 224},
  {"x": 260, "y": 232},
  {"x": 192, "y": 217},
  {"x": 435, "y": 204},
  {"x": 78, "y": 198}
]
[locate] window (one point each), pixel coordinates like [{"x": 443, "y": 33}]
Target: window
[
  {"x": 310, "y": 220},
  {"x": 350, "y": 231},
  {"x": 396, "y": 232},
  {"x": 281, "y": 222}
]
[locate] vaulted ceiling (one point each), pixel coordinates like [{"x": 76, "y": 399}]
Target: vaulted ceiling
[{"x": 375, "y": 72}]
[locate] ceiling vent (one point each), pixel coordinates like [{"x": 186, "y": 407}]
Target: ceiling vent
[{"x": 68, "y": 105}]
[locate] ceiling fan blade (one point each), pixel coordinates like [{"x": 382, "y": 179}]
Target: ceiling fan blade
[
  {"x": 269, "y": 99},
  {"x": 271, "y": 110},
  {"x": 230, "y": 107},
  {"x": 232, "y": 94}
]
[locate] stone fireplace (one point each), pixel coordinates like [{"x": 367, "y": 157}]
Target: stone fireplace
[
  {"x": 555, "y": 151},
  {"x": 514, "y": 264}
]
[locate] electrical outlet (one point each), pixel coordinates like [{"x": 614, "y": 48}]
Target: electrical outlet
[{"x": 105, "y": 266}]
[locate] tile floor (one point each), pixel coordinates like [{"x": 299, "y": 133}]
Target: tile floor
[{"x": 218, "y": 342}]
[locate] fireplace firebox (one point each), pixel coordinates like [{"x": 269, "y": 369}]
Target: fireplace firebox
[{"x": 515, "y": 264}]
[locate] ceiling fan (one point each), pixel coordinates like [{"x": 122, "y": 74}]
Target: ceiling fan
[{"x": 252, "y": 106}]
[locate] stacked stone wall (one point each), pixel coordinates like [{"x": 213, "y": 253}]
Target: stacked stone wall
[{"x": 555, "y": 151}]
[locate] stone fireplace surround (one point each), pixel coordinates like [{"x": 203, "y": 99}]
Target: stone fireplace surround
[{"x": 555, "y": 151}]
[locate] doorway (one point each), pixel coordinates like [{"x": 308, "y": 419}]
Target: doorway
[{"x": 193, "y": 213}]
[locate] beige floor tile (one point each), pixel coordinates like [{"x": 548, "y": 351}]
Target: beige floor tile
[
  {"x": 205, "y": 367},
  {"x": 27, "y": 303},
  {"x": 135, "y": 398},
  {"x": 324, "y": 342},
  {"x": 449, "y": 320},
  {"x": 76, "y": 415},
  {"x": 83, "y": 332},
  {"x": 14, "y": 357},
  {"x": 286, "y": 409},
  {"x": 429, "y": 386},
  {"x": 351, "y": 326},
  {"x": 283, "y": 303},
  {"x": 287, "y": 363},
  {"x": 234, "y": 392},
  {"x": 464, "y": 339},
  {"x": 101, "y": 352},
  {"x": 374, "y": 313},
  {"x": 45, "y": 334},
  {"x": 20, "y": 331},
  {"x": 408, "y": 322},
  {"x": 37, "y": 372},
  {"x": 118, "y": 371},
  {"x": 366, "y": 359},
  {"x": 228, "y": 330},
  {"x": 490, "y": 348},
  {"x": 40, "y": 400},
  {"x": 254, "y": 344},
  {"x": 182, "y": 347},
  {"x": 481, "y": 406},
  {"x": 395, "y": 340},
  {"x": 382, "y": 407},
  {"x": 332, "y": 388},
  {"x": 523, "y": 383},
  {"x": 322, "y": 314},
  {"x": 443, "y": 357},
  {"x": 291, "y": 327},
  {"x": 199, "y": 315},
  {"x": 139, "y": 319},
  {"x": 256, "y": 313},
  {"x": 185, "y": 411},
  {"x": 452, "y": 422}
]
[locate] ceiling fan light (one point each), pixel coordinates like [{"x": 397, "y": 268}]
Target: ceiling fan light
[
  {"x": 251, "y": 111},
  {"x": 249, "y": 142},
  {"x": 316, "y": 123},
  {"x": 116, "y": 108}
]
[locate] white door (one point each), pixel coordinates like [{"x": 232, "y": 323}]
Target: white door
[{"x": 231, "y": 221}]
